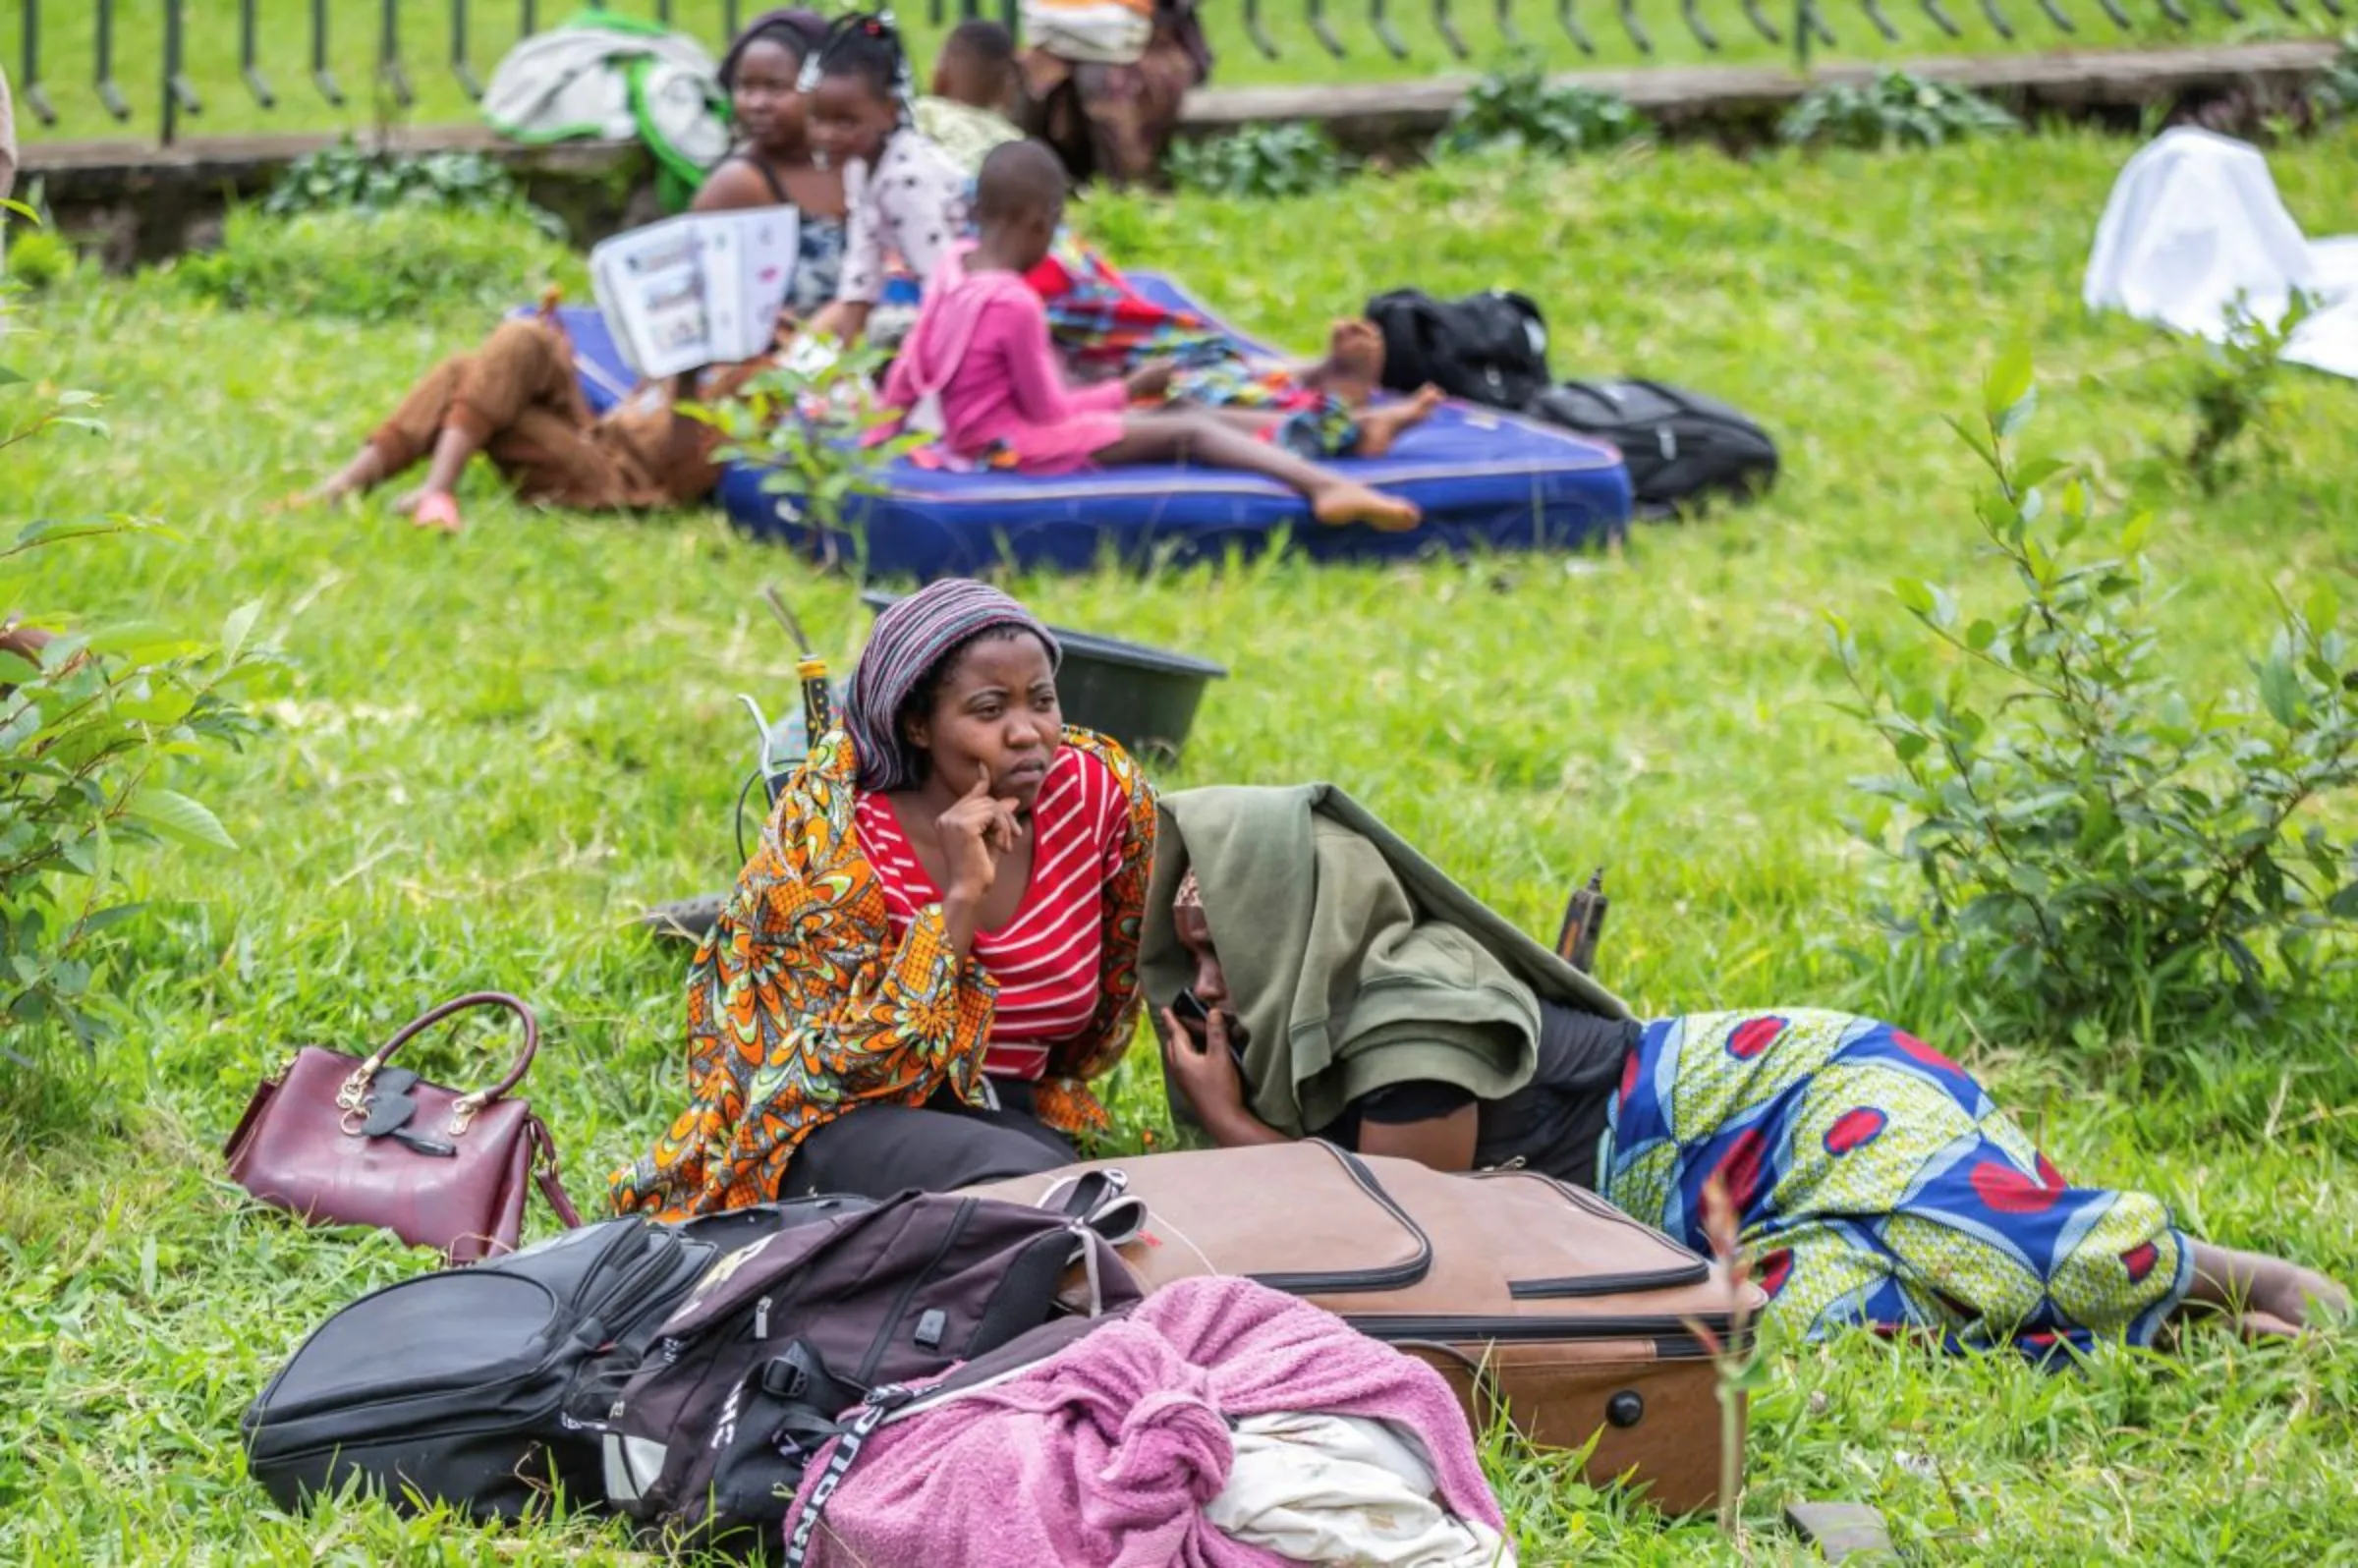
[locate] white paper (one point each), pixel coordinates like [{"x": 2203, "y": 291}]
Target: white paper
[{"x": 702, "y": 289}]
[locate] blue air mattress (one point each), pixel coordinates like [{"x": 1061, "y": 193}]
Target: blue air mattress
[{"x": 1485, "y": 479}]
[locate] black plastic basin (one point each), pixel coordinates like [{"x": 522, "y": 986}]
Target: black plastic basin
[{"x": 1143, "y": 697}]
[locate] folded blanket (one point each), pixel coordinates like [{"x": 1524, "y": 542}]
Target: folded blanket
[{"x": 1106, "y": 1454}]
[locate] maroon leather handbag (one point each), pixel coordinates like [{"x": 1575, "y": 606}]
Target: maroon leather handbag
[{"x": 338, "y": 1140}]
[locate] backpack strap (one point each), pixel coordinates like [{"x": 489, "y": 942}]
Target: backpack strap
[{"x": 851, "y": 1437}]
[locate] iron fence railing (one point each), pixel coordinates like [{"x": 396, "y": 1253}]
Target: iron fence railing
[{"x": 1464, "y": 29}]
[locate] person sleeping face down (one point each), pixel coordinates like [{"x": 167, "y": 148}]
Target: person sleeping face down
[{"x": 1317, "y": 978}]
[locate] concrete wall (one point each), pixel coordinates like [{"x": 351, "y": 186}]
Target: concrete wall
[{"x": 133, "y": 204}]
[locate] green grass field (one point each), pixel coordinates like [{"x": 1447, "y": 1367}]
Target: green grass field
[
  {"x": 488, "y": 753},
  {"x": 68, "y": 37}
]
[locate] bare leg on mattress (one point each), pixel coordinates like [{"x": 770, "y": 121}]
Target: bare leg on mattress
[
  {"x": 1178, "y": 437},
  {"x": 1378, "y": 428}
]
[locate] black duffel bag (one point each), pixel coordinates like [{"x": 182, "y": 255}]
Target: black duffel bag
[
  {"x": 1681, "y": 448},
  {"x": 481, "y": 1387},
  {"x": 1486, "y": 348}
]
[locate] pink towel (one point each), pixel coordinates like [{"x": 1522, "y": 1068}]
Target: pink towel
[{"x": 1104, "y": 1455}]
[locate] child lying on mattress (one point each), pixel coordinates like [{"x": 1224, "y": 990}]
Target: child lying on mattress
[{"x": 978, "y": 371}]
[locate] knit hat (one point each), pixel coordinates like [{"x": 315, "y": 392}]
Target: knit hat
[{"x": 909, "y": 641}]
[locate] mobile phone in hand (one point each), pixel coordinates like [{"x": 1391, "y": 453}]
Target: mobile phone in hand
[
  {"x": 1196, "y": 1019},
  {"x": 1192, "y": 1011}
]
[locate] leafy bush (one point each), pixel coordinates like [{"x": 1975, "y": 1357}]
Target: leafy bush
[
  {"x": 39, "y": 256},
  {"x": 1519, "y": 109},
  {"x": 40, "y": 259},
  {"x": 2237, "y": 386},
  {"x": 344, "y": 178},
  {"x": 377, "y": 265},
  {"x": 1260, "y": 161},
  {"x": 2093, "y": 848},
  {"x": 2334, "y": 93},
  {"x": 90, "y": 722},
  {"x": 814, "y": 424},
  {"x": 1897, "y": 108}
]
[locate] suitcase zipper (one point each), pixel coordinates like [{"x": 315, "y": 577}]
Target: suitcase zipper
[
  {"x": 900, "y": 1308},
  {"x": 1667, "y": 1333},
  {"x": 1693, "y": 1273},
  {"x": 1391, "y": 1276}
]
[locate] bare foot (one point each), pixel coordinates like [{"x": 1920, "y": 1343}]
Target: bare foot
[
  {"x": 2291, "y": 1294},
  {"x": 1343, "y": 502},
  {"x": 405, "y": 503},
  {"x": 1379, "y": 427},
  {"x": 434, "y": 509},
  {"x": 366, "y": 470},
  {"x": 2269, "y": 1298}
]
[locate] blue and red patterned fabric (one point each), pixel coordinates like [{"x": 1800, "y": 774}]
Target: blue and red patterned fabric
[{"x": 1876, "y": 1183}]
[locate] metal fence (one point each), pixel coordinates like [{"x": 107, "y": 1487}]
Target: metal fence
[{"x": 437, "y": 34}]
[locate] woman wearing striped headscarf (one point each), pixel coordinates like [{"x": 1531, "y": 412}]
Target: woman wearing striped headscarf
[{"x": 935, "y": 947}]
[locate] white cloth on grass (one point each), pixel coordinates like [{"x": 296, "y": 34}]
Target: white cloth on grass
[
  {"x": 1343, "y": 1490},
  {"x": 2195, "y": 219}
]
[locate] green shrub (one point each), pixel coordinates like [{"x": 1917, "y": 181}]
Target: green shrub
[
  {"x": 40, "y": 259},
  {"x": 1260, "y": 161},
  {"x": 2237, "y": 386},
  {"x": 92, "y": 723},
  {"x": 2334, "y": 93},
  {"x": 1519, "y": 109},
  {"x": 1896, "y": 109},
  {"x": 816, "y": 430},
  {"x": 2092, "y": 850},
  {"x": 344, "y": 178},
  {"x": 378, "y": 265}
]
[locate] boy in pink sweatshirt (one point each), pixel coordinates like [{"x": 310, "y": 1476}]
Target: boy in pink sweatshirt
[{"x": 978, "y": 371}]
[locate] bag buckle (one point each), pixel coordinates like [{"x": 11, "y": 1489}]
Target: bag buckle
[
  {"x": 462, "y": 1113},
  {"x": 354, "y": 1094}
]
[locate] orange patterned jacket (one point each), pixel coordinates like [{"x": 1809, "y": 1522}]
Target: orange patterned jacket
[{"x": 801, "y": 1007}]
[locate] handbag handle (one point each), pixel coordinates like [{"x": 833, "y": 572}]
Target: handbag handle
[{"x": 464, "y": 1110}]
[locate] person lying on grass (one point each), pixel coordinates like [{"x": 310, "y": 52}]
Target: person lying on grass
[
  {"x": 978, "y": 371},
  {"x": 1317, "y": 978},
  {"x": 517, "y": 398},
  {"x": 933, "y": 953}
]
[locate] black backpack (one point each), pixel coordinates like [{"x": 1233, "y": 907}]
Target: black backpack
[
  {"x": 479, "y": 1387},
  {"x": 1681, "y": 448},
  {"x": 781, "y": 1342},
  {"x": 1486, "y": 348}
]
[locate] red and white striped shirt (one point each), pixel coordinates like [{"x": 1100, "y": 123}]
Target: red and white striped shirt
[{"x": 1047, "y": 958}]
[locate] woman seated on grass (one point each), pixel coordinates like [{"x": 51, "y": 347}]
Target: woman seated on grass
[
  {"x": 518, "y": 398},
  {"x": 935, "y": 949},
  {"x": 978, "y": 369},
  {"x": 1336, "y": 985}
]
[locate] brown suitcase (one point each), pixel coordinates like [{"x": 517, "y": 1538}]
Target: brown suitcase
[{"x": 1508, "y": 1282}]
